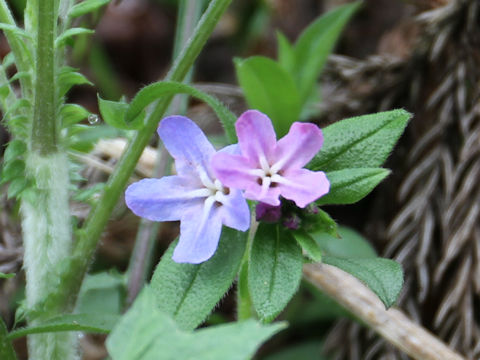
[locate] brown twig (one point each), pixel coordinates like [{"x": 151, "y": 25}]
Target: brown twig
[{"x": 393, "y": 325}]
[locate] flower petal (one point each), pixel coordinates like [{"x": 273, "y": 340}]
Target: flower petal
[
  {"x": 233, "y": 170},
  {"x": 164, "y": 199},
  {"x": 234, "y": 211},
  {"x": 304, "y": 186},
  {"x": 256, "y": 192},
  {"x": 199, "y": 236},
  {"x": 187, "y": 144},
  {"x": 256, "y": 135},
  {"x": 299, "y": 146}
]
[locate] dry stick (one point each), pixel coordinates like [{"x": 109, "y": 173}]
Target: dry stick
[{"x": 392, "y": 324}]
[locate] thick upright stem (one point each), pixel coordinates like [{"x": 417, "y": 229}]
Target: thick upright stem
[
  {"x": 85, "y": 246},
  {"x": 46, "y": 221},
  {"x": 44, "y": 129}
]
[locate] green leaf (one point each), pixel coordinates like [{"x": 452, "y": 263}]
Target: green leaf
[
  {"x": 155, "y": 91},
  {"x": 14, "y": 149},
  {"x": 309, "y": 245},
  {"x": 189, "y": 292},
  {"x": 269, "y": 88},
  {"x": 13, "y": 169},
  {"x": 145, "y": 333},
  {"x": 72, "y": 114},
  {"x": 16, "y": 186},
  {"x": 15, "y": 30},
  {"x": 86, "y": 7},
  {"x": 275, "y": 270},
  {"x": 67, "y": 78},
  {"x": 363, "y": 141},
  {"x": 348, "y": 186},
  {"x": 20, "y": 75},
  {"x": 383, "y": 276},
  {"x": 95, "y": 323},
  {"x": 349, "y": 244},
  {"x": 7, "y": 351},
  {"x": 316, "y": 43},
  {"x": 319, "y": 221},
  {"x": 63, "y": 38},
  {"x": 286, "y": 54},
  {"x": 101, "y": 293},
  {"x": 113, "y": 113},
  {"x": 6, "y": 276}
]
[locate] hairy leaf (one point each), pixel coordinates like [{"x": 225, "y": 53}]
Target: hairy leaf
[
  {"x": 189, "y": 292},
  {"x": 309, "y": 245},
  {"x": 363, "y": 141},
  {"x": 348, "y": 186},
  {"x": 383, "y": 276},
  {"x": 148, "y": 334},
  {"x": 274, "y": 271}
]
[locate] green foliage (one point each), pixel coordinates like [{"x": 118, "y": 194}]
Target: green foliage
[
  {"x": 86, "y": 6},
  {"x": 64, "y": 38},
  {"x": 71, "y": 114},
  {"x": 363, "y": 141},
  {"x": 113, "y": 113},
  {"x": 102, "y": 293},
  {"x": 100, "y": 323},
  {"x": 68, "y": 77},
  {"x": 188, "y": 292},
  {"x": 15, "y": 30},
  {"x": 349, "y": 244},
  {"x": 309, "y": 245},
  {"x": 131, "y": 116},
  {"x": 6, "y": 349},
  {"x": 383, "y": 276},
  {"x": 348, "y": 186},
  {"x": 274, "y": 270},
  {"x": 315, "y": 44},
  {"x": 270, "y": 89},
  {"x": 145, "y": 333}
]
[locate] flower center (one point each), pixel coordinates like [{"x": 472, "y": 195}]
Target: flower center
[
  {"x": 268, "y": 176},
  {"x": 216, "y": 193}
]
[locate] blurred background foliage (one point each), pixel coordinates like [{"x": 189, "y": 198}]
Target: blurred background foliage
[{"x": 421, "y": 55}]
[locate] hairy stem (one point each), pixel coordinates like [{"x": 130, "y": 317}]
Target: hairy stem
[
  {"x": 45, "y": 216},
  {"x": 71, "y": 277}
]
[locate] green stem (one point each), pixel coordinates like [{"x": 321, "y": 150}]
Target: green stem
[
  {"x": 244, "y": 301},
  {"x": 71, "y": 278},
  {"x": 189, "y": 13},
  {"x": 46, "y": 215},
  {"x": 44, "y": 129}
]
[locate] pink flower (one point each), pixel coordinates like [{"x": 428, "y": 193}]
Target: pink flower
[{"x": 268, "y": 168}]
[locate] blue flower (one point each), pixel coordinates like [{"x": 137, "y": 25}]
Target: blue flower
[{"x": 194, "y": 196}]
